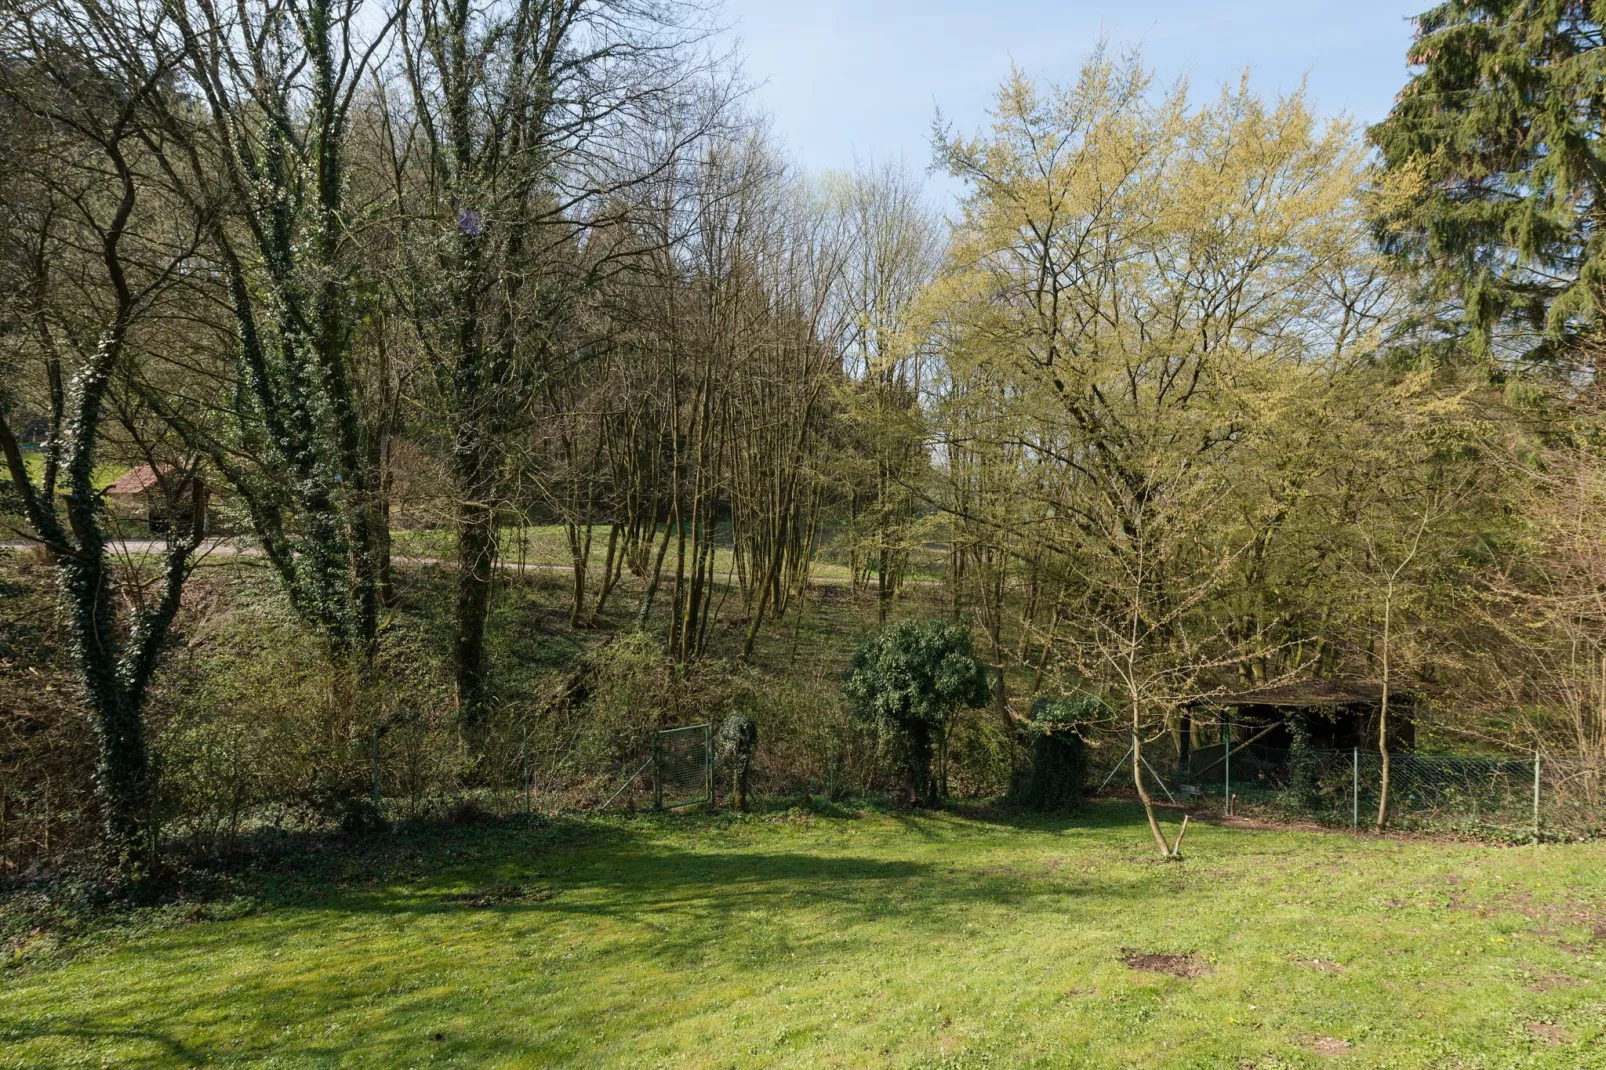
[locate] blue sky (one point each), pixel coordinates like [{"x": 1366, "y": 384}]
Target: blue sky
[{"x": 848, "y": 79}]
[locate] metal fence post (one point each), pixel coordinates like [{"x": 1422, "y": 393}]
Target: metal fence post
[
  {"x": 657, "y": 770},
  {"x": 1355, "y": 789},
  {"x": 524, "y": 762},
  {"x": 1226, "y": 762},
  {"x": 1536, "y": 791},
  {"x": 708, "y": 772}
]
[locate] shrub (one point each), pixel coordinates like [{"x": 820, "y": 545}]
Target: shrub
[
  {"x": 1303, "y": 765},
  {"x": 906, "y": 681},
  {"x": 632, "y": 694},
  {"x": 1053, "y": 782},
  {"x": 736, "y": 742}
]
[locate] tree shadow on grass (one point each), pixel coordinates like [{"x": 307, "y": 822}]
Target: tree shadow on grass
[
  {"x": 80, "y": 1030},
  {"x": 682, "y": 899},
  {"x": 387, "y": 1046},
  {"x": 626, "y": 895}
]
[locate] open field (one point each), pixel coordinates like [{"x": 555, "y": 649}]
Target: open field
[
  {"x": 546, "y": 546},
  {"x": 854, "y": 938}
]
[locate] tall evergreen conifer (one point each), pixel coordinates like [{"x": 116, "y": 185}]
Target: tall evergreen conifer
[{"x": 1494, "y": 170}]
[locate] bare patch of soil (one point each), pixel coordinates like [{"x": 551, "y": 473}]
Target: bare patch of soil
[
  {"x": 1325, "y": 965},
  {"x": 1330, "y": 1047},
  {"x": 1186, "y": 965},
  {"x": 1550, "y": 981},
  {"x": 491, "y": 897},
  {"x": 1545, "y": 1031}
]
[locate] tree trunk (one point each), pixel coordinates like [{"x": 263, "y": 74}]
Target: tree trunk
[
  {"x": 476, "y": 558},
  {"x": 1383, "y": 718},
  {"x": 1184, "y": 740},
  {"x": 921, "y": 789},
  {"x": 1143, "y": 792},
  {"x": 612, "y": 565},
  {"x": 383, "y": 481},
  {"x": 123, "y": 775}
]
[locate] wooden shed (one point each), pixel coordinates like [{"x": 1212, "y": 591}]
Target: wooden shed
[
  {"x": 158, "y": 497},
  {"x": 1338, "y": 715}
]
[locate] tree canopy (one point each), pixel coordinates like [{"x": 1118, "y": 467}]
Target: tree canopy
[{"x": 1495, "y": 174}]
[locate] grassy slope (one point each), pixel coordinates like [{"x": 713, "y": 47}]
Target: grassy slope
[
  {"x": 869, "y": 940},
  {"x": 106, "y": 473},
  {"x": 547, "y": 546}
]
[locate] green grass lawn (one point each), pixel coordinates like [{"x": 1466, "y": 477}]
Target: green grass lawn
[
  {"x": 862, "y": 939},
  {"x": 105, "y": 474},
  {"x": 547, "y": 545}
]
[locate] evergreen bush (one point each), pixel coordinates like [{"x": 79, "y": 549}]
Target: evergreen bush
[{"x": 1055, "y": 779}]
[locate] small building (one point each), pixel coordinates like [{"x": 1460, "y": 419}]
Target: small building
[
  {"x": 1335, "y": 714},
  {"x": 157, "y": 498}
]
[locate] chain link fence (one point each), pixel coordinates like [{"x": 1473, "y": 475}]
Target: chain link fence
[
  {"x": 1561, "y": 795},
  {"x": 397, "y": 776},
  {"x": 379, "y": 777}
]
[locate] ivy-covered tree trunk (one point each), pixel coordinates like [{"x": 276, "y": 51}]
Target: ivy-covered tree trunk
[
  {"x": 481, "y": 82},
  {"x": 113, "y": 671},
  {"x": 297, "y": 454},
  {"x": 1053, "y": 784},
  {"x": 736, "y": 741},
  {"x": 906, "y": 681},
  {"x": 115, "y": 660},
  {"x": 476, "y": 560},
  {"x": 1302, "y": 762},
  {"x": 921, "y": 783},
  {"x": 95, "y": 112}
]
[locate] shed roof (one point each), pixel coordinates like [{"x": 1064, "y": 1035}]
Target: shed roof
[
  {"x": 136, "y": 480},
  {"x": 1308, "y": 693},
  {"x": 142, "y": 478}
]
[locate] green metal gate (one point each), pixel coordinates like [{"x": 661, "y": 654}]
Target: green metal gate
[{"x": 683, "y": 766}]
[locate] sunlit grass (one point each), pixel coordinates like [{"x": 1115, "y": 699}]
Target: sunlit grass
[
  {"x": 104, "y": 475},
  {"x": 863, "y": 939},
  {"x": 546, "y": 546}
]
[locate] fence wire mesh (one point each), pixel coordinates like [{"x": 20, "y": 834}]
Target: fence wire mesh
[
  {"x": 1558, "y": 794},
  {"x": 394, "y": 776},
  {"x": 682, "y": 772}
]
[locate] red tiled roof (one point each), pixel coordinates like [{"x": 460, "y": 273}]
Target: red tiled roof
[{"x": 136, "y": 480}]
